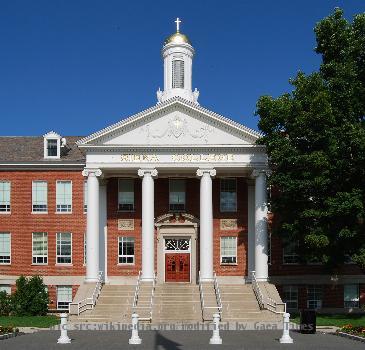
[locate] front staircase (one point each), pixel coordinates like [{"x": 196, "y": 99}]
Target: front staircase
[{"x": 179, "y": 302}]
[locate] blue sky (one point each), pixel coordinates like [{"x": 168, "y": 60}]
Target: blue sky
[{"x": 78, "y": 66}]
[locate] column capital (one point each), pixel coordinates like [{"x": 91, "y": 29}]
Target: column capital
[
  {"x": 210, "y": 171},
  {"x": 257, "y": 172},
  {"x": 92, "y": 172},
  {"x": 143, "y": 171}
]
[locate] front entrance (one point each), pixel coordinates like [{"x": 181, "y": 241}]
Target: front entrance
[
  {"x": 177, "y": 267},
  {"x": 177, "y": 260}
]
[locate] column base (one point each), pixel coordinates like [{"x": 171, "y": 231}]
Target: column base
[
  {"x": 206, "y": 279},
  {"x": 147, "y": 279},
  {"x": 262, "y": 279}
]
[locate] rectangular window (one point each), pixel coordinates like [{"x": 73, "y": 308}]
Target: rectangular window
[
  {"x": 64, "y": 248},
  {"x": 228, "y": 250},
  {"x": 290, "y": 252},
  {"x": 85, "y": 196},
  {"x": 64, "y": 196},
  {"x": 40, "y": 247},
  {"x": 126, "y": 195},
  {"x": 39, "y": 197},
  {"x": 52, "y": 148},
  {"x": 5, "y": 247},
  {"x": 126, "y": 250},
  {"x": 5, "y": 288},
  {"x": 314, "y": 297},
  {"x": 228, "y": 195},
  {"x": 178, "y": 74},
  {"x": 351, "y": 295},
  {"x": 64, "y": 297},
  {"x": 4, "y": 196},
  {"x": 290, "y": 297},
  {"x": 177, "y": 194}
]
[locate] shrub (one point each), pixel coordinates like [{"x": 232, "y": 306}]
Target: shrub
[
  {"x": 30, "y": 297},
  {"x": 8, "y": 329},
  {"x": 5, "y": 304}
]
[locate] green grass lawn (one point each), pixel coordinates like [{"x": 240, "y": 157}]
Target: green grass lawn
[
  {"x": 29, "y": 321},
  {"x": 335, "y": 320}
]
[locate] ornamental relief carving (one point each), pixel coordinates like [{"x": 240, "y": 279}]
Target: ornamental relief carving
[
  {"x": 125, "y": 224},
  {"x": 177, "y": 128},
  {"x": 228, "y": 224}
]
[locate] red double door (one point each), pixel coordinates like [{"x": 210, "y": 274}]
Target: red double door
[{"x": 177, "y": 267}]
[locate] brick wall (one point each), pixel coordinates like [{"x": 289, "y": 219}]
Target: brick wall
[{"x": 21, "y": 223}]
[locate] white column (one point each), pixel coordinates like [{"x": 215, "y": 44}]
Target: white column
[
  {"x": 250, "y": 228},
  {"x": 261, "y": 262},
  {"x": 148, "y": 223},
  {"x": 206, "y": 223},
  {"x": 102, "y": 229},
  {"x": 92, "y": 234}
]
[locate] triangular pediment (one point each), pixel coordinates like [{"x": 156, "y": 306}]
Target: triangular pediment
[{"x": 174, "y": 122}]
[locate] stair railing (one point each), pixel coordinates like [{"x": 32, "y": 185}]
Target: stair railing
[
  {"x": 152, "y": 294},
  {"x": 89, "y": 302},
  {"x": 201, "y": 295},
  {"x": 136, "y": 291},
  {"x": 218, "y": 295},
  {"x": 266, "y": 302}
]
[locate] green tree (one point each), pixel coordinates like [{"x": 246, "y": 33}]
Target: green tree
[
  {"x": 30, "y": 297},
  {"x": 315, "y": 139}
]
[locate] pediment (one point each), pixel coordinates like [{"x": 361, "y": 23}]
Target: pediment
[{"x": 173, "y": 123}]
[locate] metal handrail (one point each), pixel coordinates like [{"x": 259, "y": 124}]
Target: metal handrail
[
  {"x": 136, "y": 291},
  {"x": 201, "y": 295},
  {"x": 89, "y": 302},
  {"x": 217, "y": 295},
  {"x": 269, "y": 304},
  {"x": 152, "y": 293}
]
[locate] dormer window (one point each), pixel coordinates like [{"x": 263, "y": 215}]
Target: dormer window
[
  {"x": 52, "y": 148},
  {"x": 52, "y": 145}
]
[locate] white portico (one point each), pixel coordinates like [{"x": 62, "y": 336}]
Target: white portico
[{"x": 176, "y": 138}]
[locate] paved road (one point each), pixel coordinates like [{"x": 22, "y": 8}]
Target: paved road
[{"x": 173, "y": 340}]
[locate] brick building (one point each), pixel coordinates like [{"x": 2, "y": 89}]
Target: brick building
[{"x": 176, "y": 191}]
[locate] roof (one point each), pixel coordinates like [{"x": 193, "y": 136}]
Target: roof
[{"x": 29, "y": 149}]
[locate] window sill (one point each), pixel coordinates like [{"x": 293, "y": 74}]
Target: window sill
[
  {"x": 39, "y": 212},
  {"x": 5, "y": 263},
  {"x": 126, "y": 211},
  {"x": 5, "y": 212},
  {"x": 39, "y": 264},
  {"x": 229, "y": 264},
  {"x": 126, "y": 264},
  {"x": 65, "y": 265}
]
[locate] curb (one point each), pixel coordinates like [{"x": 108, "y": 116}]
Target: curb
[{"x": 350, "y": 336}]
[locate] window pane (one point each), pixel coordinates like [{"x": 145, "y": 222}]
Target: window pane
[
  {"x": 85, "y": 196},
  {"x": 351, "y": 295},
  {"x": 39, "y": 196},
  {"x": 52, "y": 148},
  {"x": 64, "y": 297},
  {"x": 4, "y": 196},
  {"x": 314, "y": 297},
  {"x": 64, "y": 196},
  {"x": 40, "y": 248},
  {"x": 5, "y": 248},
  {"x": 64, "y": 248},
  {"x": 290, "y": 296},
  {"x": 126, "y": 250},
  {"x": 290, "y": 252},
  {"x": 5, "y": 288},
  {"x": 178, "y": 74},
  {"x": 126, "y": 194},
  {"x": 228, "y": 195},
  {"x": 228, "y": 250},
  {"x": 177, "y": 194}
]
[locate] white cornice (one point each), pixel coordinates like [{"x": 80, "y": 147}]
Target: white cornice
[{"x": 254, "y": 135}]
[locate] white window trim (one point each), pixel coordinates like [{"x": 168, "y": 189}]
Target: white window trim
[
  {"x": 172, "y": 210},
  {"x": 69, "y": 286},
  {"x": 134, "y": 195},
  {"x": 319, "y": 301},
  {"x": 64, "y": 264},
  {"x": 40, "y": 212},
  {"x": 35, "y": 263},
  {"x": 7, "y": 212},
  {"x": 288, "y": 255},
  {"x": 9, "y": 263},
  {"x": 63, "y": 212},
  {"x": 51, "y": 136},
  {"x": 220, "y": 251},
  {"x": 121, "y": 255},
  {"x": 292, "y": 300},
  {"x": 220, "y": 191}
]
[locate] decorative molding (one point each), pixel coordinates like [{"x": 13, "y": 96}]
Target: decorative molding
[
  {"x": 125, "y": 224},
  {"x": 202, "y": 171},
  {"x": 228, "y": 224},
  {"x": 142, "y": 172},
  {"x": 91, "y": 172},
  {"x": 257, "y": 172},
  {"x": 177, "y": 128}
]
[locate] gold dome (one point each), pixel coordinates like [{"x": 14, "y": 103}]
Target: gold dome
[{"x": 177, "y": 38}]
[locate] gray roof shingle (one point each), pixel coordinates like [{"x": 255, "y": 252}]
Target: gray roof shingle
[{"x": 29, "y": 149}]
